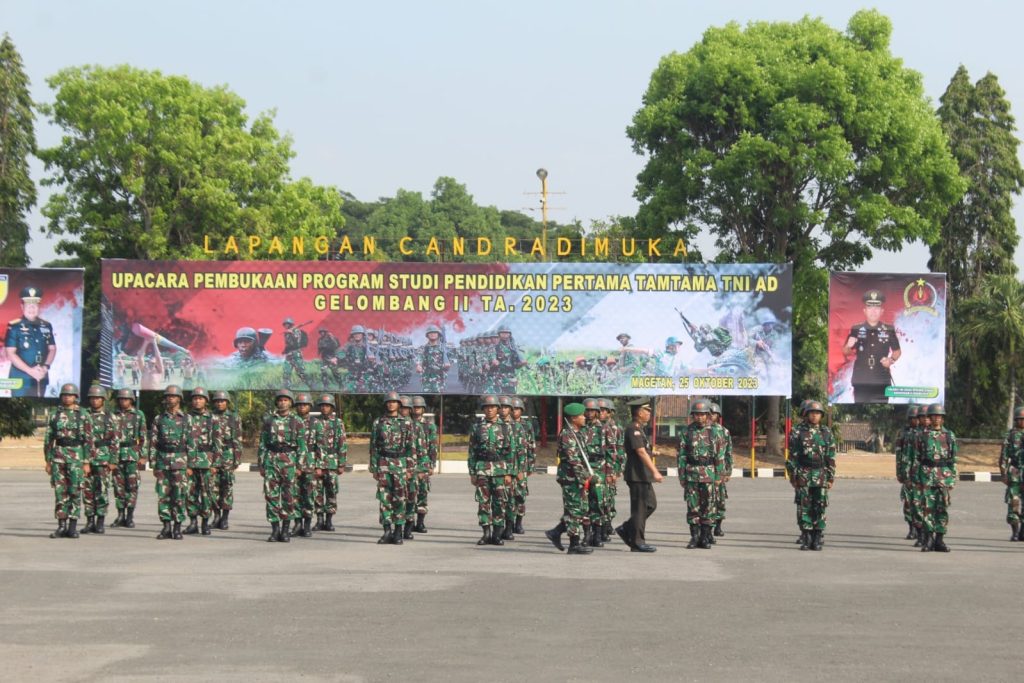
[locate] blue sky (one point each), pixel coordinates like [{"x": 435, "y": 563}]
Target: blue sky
[{"x": 388, "y": 95}]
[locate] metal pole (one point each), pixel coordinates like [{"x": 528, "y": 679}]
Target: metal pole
[
  {"x": 440, "y": 433},
  {"x": 753, "y": 437}
]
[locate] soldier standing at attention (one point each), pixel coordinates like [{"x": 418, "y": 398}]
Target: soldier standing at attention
[
  {"x": 1011, "y": 464},
  {"x": 936, "y": 472},
  {"x": 30, "y": 346},
  {"x": 812, "y": 470},
  {"x": 612, "y": 462},
  {"x": 226, "y": 461},
  {"x": 593, "y": 439},
  {"x": 170, "y": 440},
  {"x": 924, "y": 423},
  {"x": 640, "y": 473},
  {"x": 295, "y": 339},
  {"x": 130, "y": 453},
  {"x": 405, "y": 410},
  {"x": 306, "y": 475},
  {"x": 106, "y": 433},
  {"x": 904, "y": 450},
  {"x": 332, "y": 454},
  {"x": 425, "y": 462},
  {"x": 877, "y": 347},
  {"x": 283, "y": 448},
  {"x": 701, "y": 457},
  {"x": 433, "y": 363},
  {"x": 726, "y": 472},
  {"x": 490, "y": 452},
  {"x": 205, "y": 445},
  {"x": 66, "y": 448},
  {"x": 505, "y": 417},
  {"x": 574, "y": 475},
  {"x": 327, "y": 346},
  {"x": 525, "y": 457},
  {"x": 391, "y": 447}
]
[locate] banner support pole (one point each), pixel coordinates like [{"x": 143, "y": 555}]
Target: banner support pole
[{"x": 753, "y": 437}]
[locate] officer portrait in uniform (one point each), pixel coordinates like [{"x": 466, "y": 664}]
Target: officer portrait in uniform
[
  {"x": 30, "y": 346},
  {"x": 876, "y": 347}
]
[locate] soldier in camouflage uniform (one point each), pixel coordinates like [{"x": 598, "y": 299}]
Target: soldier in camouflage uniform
[
  {"x": 812, "y": 469},
  {"x": 106, "y": 433},
  {"x": 433, "y": 362},
  {"x": 726, "y": 472},
  {"x": 594, "y": 441},
  {"x": 306, "y": 476},
  {"x": 904, "y": 452},
  {"x": 701, "y": 457},
  {"x": 936, "y": 473},
  {"x": 505, "y": 417},
  {"x": 283, "y": 448},
  {"x": 130, "y": 453},
  {"x": 226, "y": 461},
  {"x": 525, "y": 456},
  {"x": 1011, "y": 465},
  {"x": 170, "y": 440},
  {"x": 331, "y": 458},
  {"x": 66, "y": 448},
  {"x": 914, "y": 455},
  {"x": 509, "y": 360},
  {"x": 574, "y": 475},
  {"x": 613, "y": 462},
  {"x": 359, "y": 359},
  {"x": 327, "y": 346},
  {"x": 206, "y": 444},
  {"x": 391, "y": 448},
  {"x": 405, "y": 410},
  {"x": 295, "y": 339},
  {"x": 425, "y": 462},
  {"x": 490, "y": 455}
]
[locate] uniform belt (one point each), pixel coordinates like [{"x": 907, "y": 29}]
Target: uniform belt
[
  {"x": 170, "y": 448},
  {"x": 700, "y": 461},
  {"x": 937, "y": 463},
  {"x": 69, "y": 442},
  {"x": 105, "y": 443},
  {"x": 127, "y": 444},
  {"x": 487, "y": 457},
  {"x": 806, "y": 462},
  {"x": 282, "y": 448},
  {"x": 390, "y": 454},
  {"x": 205, "y": 448}
]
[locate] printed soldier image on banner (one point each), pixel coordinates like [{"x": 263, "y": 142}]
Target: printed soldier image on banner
[
  {"x": 42, "y": 347},
  {"x": 886, "y": 341},
  {"x": 520, "y": 328}
]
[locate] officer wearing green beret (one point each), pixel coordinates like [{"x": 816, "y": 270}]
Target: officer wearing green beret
[
  {"x": 31, "y": 346},
  {"x": 574, "y": 476},
  {"x": 876, "y": 347}
]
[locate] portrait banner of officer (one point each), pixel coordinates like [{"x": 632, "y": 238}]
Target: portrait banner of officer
[
  {"x": 526, "y": 328},
  {"x": 887, "y": 337},
  {"x": 42, "y": 347}
]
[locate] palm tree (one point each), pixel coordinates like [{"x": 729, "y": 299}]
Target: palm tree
[{"x": 994, "y": 326}]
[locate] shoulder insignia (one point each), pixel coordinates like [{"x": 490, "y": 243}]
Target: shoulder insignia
[{"x": 15, "y": 321}]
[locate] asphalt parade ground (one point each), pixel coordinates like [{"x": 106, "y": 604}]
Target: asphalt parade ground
[{"x": 231, "y": 607}]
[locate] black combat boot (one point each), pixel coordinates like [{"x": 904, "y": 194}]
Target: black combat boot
[
  {"x": 296, "y": 527},
  {"x": 98, "y": 527},
  {"x": 939, "y": 545},
  {"x": 205, "y": 528},
  {"x": 1014, "y": 531},
  {"x": 506, "y": 533},
  {"x": 718, "y": 528},
  {"x": 420, "y": 527},
  {"x": 90, "y": 525},
  {"x": 286, "y": 535},
  {"x": 606, "y": 531},
  {"x": 119, "y": 521},
  {"x": 816, "y": 539},
  {"x": 307, "y": 523},
  {"x": 919, "y": 537},
  {"x": 926, "y": 541},
  {"x": 519, "y": 525},
  {"x": 577, "y": 548},
  {"x": 319, "y": 521},
  {"x": 911, "y": 531},
  {"x": 485, "y": 538},
  {"x": 407, "y": 533},
  {"x": 129, "y": 518},
  {"x": 176, "y": 533},
  {"x": 399, "y": 534},
  {"x": 223, "y": 524},
  {"x": 72, "y": 528},
  {"x": 62, "y": 529},
  {"x": 388, "y": 535},
  {"x": 555, "y": 535},
  {"x": 275, "y": 532},
  {"x": 498, "y": 532},
  {"x": 328, "y": 522},
  {"x": 192, "y": 528},
  {"x": 165, "y": 532},
  {"x": 1020, "y": 537},
  {"x": 710, "y": 536},
  {"x": 705, "y": 537},
  {"x": 694, "y": 540},
  {"x": 216, "y": 519},
  {"x": 806, "y": 540},
  {"x": 595, "y": 540}
]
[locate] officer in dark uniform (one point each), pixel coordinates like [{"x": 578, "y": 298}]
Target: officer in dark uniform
[
  {"x": 876, "y": 347},
  {"x": 640, "y": 473},
  {"x": 30, "y": 346}
]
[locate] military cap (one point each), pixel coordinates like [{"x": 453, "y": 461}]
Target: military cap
[
  {"x": 591, "y": 404},
  {"x": 220, "y": 395},
  {"x": 573, "y": 409},
  {"x": 405, "y": 401},
  {"x": 418, "y": 402},
  {"x": 671, "y": 340},
  {"x": 873, "y": 297},
  {"x": 288, "y": 321},
  {"x": 392, "y": 396},
  {"x": 31, "y": 294},
  {"x": 433, "y": 328},
  {"x": 505, "y": 401},
  {"x": 357, "y": 329},
  {"x": 303, "y": 397},
  {"x": 199, "y": 391},
  {"x": 620, "y": 335},
  {"x": 325, "y": 400},
  {"x": 69, "y": 388},
  {"x": 936, "y": 409},
  {"x": 284, "y": 393},
  {"x": 489, "y": 400},
  {"x": 245, "y": 333},
  {"x": 1018, "y": 413},
  {"x": 173, "y": 390},
  {"x": 96, "y": 391},
  {"x": 699, "y": 406},
  {"x": 126, "y": 393},
  {"x": 813, "y": 407},
  {"x": 518, "y": 403},
  {"x": 715, "y": 408}
]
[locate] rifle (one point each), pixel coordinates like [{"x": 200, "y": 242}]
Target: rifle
[
  {"x": 691, "y": 329},
  {"x": 444, "y": 346}
]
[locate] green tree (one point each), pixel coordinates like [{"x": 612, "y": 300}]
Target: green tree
[
  {"x": 794, "y": 142},
  {"x": 17, "y": 196}
]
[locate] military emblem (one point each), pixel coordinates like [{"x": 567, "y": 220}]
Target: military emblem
[
  {"x": 920, "y": 295},
  {"x": 4, "y": 281}
]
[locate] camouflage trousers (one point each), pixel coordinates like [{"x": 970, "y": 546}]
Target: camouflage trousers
[
  {"x": 722, "y": 494},
  {"x": 95, "y": 487},
  {"x": 223, "y": 489},
  {"x": 126, "y": 484},
  {"x": 811, "y": 508},
  {"x": 613, "y": 491},
  {"x": 325, "y": 500},
  {"x": 492, "y": 500},
  {"x": 278, "y": 485},
  {"x": 66, "y": 480},
  {"x": 907, "y": 493},
  {"x": 574, "y": 508},
  {"x": 200, "y": 493},
  {"x": 305, "y": 492},
  {"x": 392, "y": 493},
  {"x": 331, "y": 376},
  {"x": 701, "y": 502},
  {"x": 433, "y": 381},
  {"x": 294, "y": 361},
  {"x": 419, "y": 489},
  {"x": 171, "y": 495},
  {"x": 1012, "y": 498},
  {"x": 935, "y": 508},
  {"x": 520, "y": 491},
  {"x": 597, "y": 501}
]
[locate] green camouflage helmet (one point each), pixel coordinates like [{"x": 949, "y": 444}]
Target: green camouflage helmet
[
  {"x": 418, "y": 402},
  {"x": 284, "y": 393},
  {"x": 912, "y": 412},
  {"x": 504, "y": 328},
  {"x": 518, "y": 403},
  {"x": 392, "y": 396},
  {"x": 1018, "y": 413},
  {"x": 489, "y": 400},
  {"x": 623, "y": 334},
  {"x": 591, "y": 404},
  {"x": 69, "y": 388},
  {"x": 288, "y": 322},
  {"x": 357, "y": 329},
  {"x": 96, "y": 391},
  {"x": 173, "y": 390},
  {"x": 405, "y": 401},
  {"x": 605, "y": 404},
  {"x": 813, "y": 407},
  {"x": 715, "y": 409},
  {"x": 303, "y": 397},
  {"x": 505, "y": 401},
  {"x": 433, "y": 328},
  {"x": 936, "y": 409},
  {"x": 326, "y": 400},
  {"x": 126, "y": 393},
  {"x": 201, "y": 393},
  {"x": 700, "y": 406},
  {"x": 220, "y": 395},
  {"x": 247, "y": 333}
]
